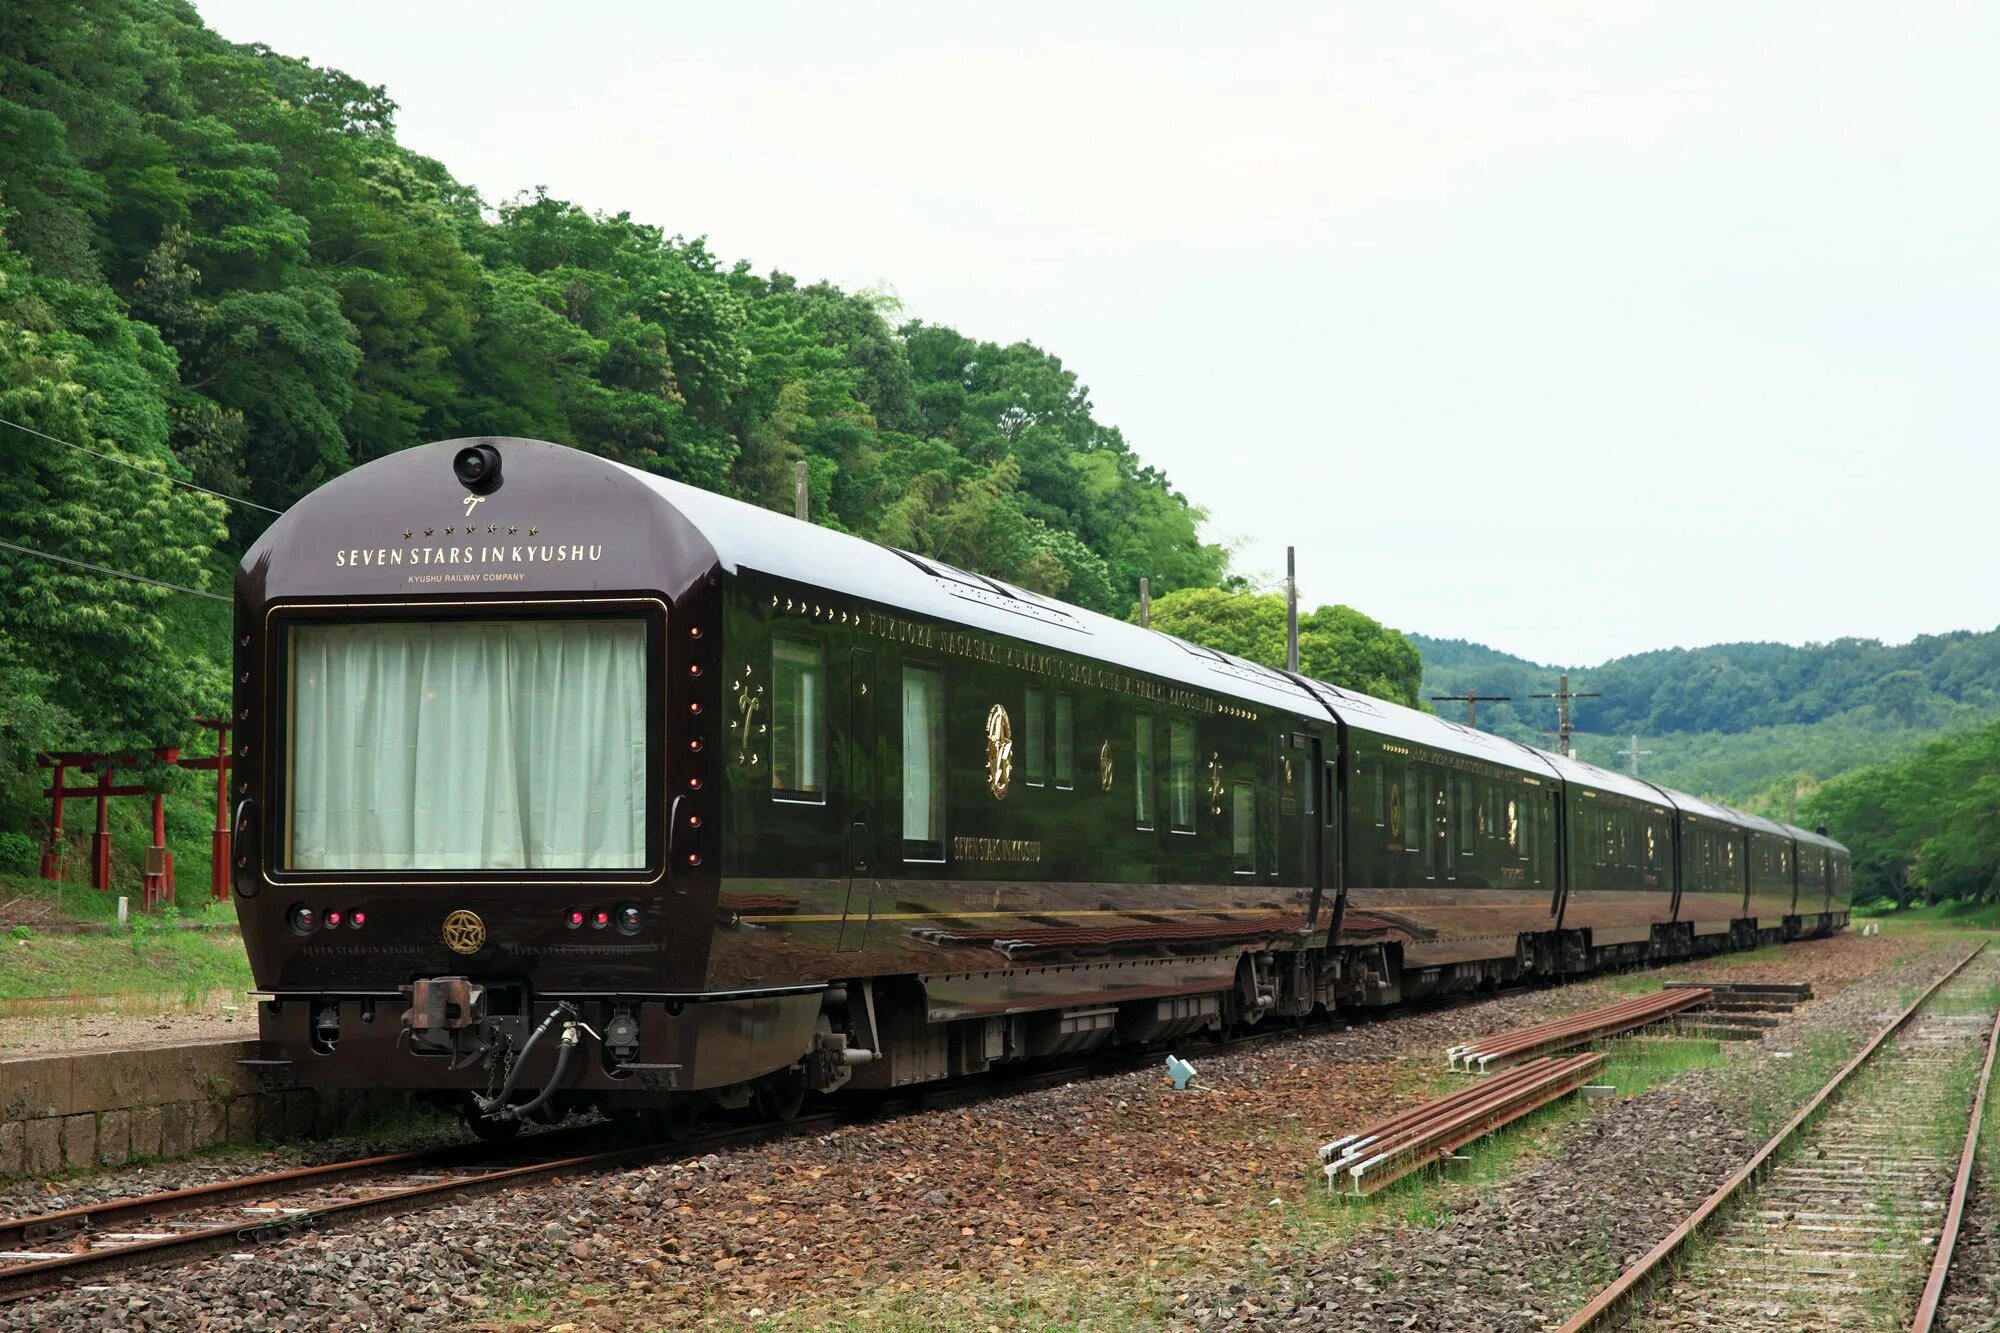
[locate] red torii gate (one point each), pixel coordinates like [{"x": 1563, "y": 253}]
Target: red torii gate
[{"x": 159, "y": 875}]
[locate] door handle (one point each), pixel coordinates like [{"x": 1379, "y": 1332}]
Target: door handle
[{"x": 673, "y": 836}]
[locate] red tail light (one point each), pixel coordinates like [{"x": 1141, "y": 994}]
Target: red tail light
[
  {"x": 600, "y": 919},
  {"x": 333, "y": 918},
  {"x": 358, "y": 920},
  {"x": 575, "y": 917}
]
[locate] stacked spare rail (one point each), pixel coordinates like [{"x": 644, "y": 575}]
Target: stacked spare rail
[
  {"x": 1412, "y": 1139},
  {"x": 1507, "y": 1048}
]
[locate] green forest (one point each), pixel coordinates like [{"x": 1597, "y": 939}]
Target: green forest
[
  {"x": 1925, "y": 827},
  {"x": 1758, "y": 724},
  {"x": 220, "y": 270},
  {"x": 223, "y": 281}
]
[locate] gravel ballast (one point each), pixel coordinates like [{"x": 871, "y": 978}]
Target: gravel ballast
[{"x": 1111, "y": 1201}]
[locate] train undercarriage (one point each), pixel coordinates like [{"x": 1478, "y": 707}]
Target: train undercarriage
[{"x": 502, "y": 1056}]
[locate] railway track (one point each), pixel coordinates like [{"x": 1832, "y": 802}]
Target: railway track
[
  {"x": 42, "y": 1253},
  {"x": 1838, "y": 1221}
]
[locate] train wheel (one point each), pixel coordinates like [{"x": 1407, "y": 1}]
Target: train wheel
[{"x": 782, "y": 1096}]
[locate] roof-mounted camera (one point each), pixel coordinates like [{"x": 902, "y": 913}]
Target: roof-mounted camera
[{"x": 477, "y": 467}]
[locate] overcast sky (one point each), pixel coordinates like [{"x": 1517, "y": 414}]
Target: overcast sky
[{"x": 1573, "y": 328}]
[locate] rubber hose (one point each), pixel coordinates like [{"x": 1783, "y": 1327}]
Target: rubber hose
[
  {"x": 564, "y": 1057},
  {"x": 488, "y": 1105}
]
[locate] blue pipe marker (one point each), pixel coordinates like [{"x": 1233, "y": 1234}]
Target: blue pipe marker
[{"x": 1180, "y": 1071}]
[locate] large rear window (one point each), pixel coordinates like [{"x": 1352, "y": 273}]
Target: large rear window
[{"x": 466, "y": 745}]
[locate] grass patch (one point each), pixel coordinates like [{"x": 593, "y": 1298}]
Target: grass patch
[
  {"x": 1947, "y": 916},
  {"x": 150, "y": 958}
]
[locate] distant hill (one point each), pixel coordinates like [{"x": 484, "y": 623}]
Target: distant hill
[{"x": 1747, "y": 722}]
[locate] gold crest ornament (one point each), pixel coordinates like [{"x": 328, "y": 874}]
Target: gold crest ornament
[
  {"x": 464, "y": 931},
  {"x": 1104, "y": 765},
  {"x": 999, "y": 751},
  {"x": 1215, "y": 782},
  {"x": 1514, "y": 826}
]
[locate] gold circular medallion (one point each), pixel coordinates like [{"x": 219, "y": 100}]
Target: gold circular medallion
[
  {"x": 999, "y": 751},
  {"x": 464, "y": 931},
  {"x": 1104, "y": 765}
]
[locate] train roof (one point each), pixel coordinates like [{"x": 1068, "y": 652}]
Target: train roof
[
  {"x": 1604, "y": 779},
  {"x": 745, "y": 536},
  {"x": 1428, "y": 729},
  {"x": 1757, "y": 823},
  {"x": 1694, "y": 805},
  {"x": 1811, "y": 838}
]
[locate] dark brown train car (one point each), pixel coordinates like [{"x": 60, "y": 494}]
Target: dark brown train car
[
  {"x": 1451, "y": 838},
  {"x": 591, "y": 738},
  {"x": 559, "y": 784}
]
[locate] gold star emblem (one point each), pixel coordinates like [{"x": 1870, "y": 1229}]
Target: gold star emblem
[
  {"x": 409, "y": 533},
  {"x": 429, "y": 531},
  {"x": 449, "y": 529},
  {"x": 513, "y": 528},
  {"x": 492, "y": 528},
  {"x": 532, "y": 530},
  {"x": 464, "y": 931}
]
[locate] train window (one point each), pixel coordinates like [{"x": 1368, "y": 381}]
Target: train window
[
  {"x": 1034, "y": 735},
  {"x": 1142, "y": 770},
  {"x": 1368, "y": 790},
  {"x": 1180, "y": 776},
  {"x": 923, "y": 764},
  {"x": 1064, "y": 744},
  {"x": 466, "y": 745},
  {"x": 798, "y": 719},
  {"x": 1243, "y": 828}
]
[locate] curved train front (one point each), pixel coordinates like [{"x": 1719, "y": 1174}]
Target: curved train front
[{"x": 472, "y": 797}]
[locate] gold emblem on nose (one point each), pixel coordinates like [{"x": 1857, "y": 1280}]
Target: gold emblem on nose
[{"x": 464, "y": 931}]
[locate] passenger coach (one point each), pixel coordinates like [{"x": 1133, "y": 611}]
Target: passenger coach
[{"x": 563, "y": 784}]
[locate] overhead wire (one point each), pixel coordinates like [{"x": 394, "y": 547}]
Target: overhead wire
[
  {"x": 114, "y": 573},
  {"x": 137, "y": 467}
]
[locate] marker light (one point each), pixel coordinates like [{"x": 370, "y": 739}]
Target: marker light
[
  {"x": 600, "y": 919},
  {"x": 628, "y": 920},
  {"x": 333, "y": 919},
  {"x": 575, "y": 917},
  {"x": 302, "y": 919},
  {"x": 358, "y": 920}
]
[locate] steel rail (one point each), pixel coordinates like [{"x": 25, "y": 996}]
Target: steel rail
[
  {"x": 1500, "y": 1048},
  {"x": 39, "y": 1277},
  {"x": 36, "y": 1277},
  {"x": 1636, "y": 1280},
  {"x": 1961, "y": 1185},
  {"x": 1413, "y": 1139},
  {"x": 25, "y": 1232}
]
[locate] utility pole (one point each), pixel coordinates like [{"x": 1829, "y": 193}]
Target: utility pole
[
  {"x": 801, "y": 493},
  {"x": 1291, "y": 610},
  {"x": 1562, "y": 696},
  {"x": 1471, "y": 702},
  {"x": 1145, "y": 602},
  {"x": 1635, "y": 754}
]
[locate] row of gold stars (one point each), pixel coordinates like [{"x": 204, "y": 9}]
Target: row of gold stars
[{"x": 471, "y": 528}]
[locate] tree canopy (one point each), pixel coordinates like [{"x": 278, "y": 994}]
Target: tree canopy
[
  {"x": 1337, "y": 644},
  {"x": 1928, "y": 825},
  {"x": 217, "y": 264}
]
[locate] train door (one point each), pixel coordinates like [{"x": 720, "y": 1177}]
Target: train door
[
  {"x": 1312, "y": 811},
  {"x": 863, "y": 780}
]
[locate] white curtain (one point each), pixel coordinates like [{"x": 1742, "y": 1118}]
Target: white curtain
[
  {"x": 923, "y": 764},
  {"x": 468, "y": 745}
]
